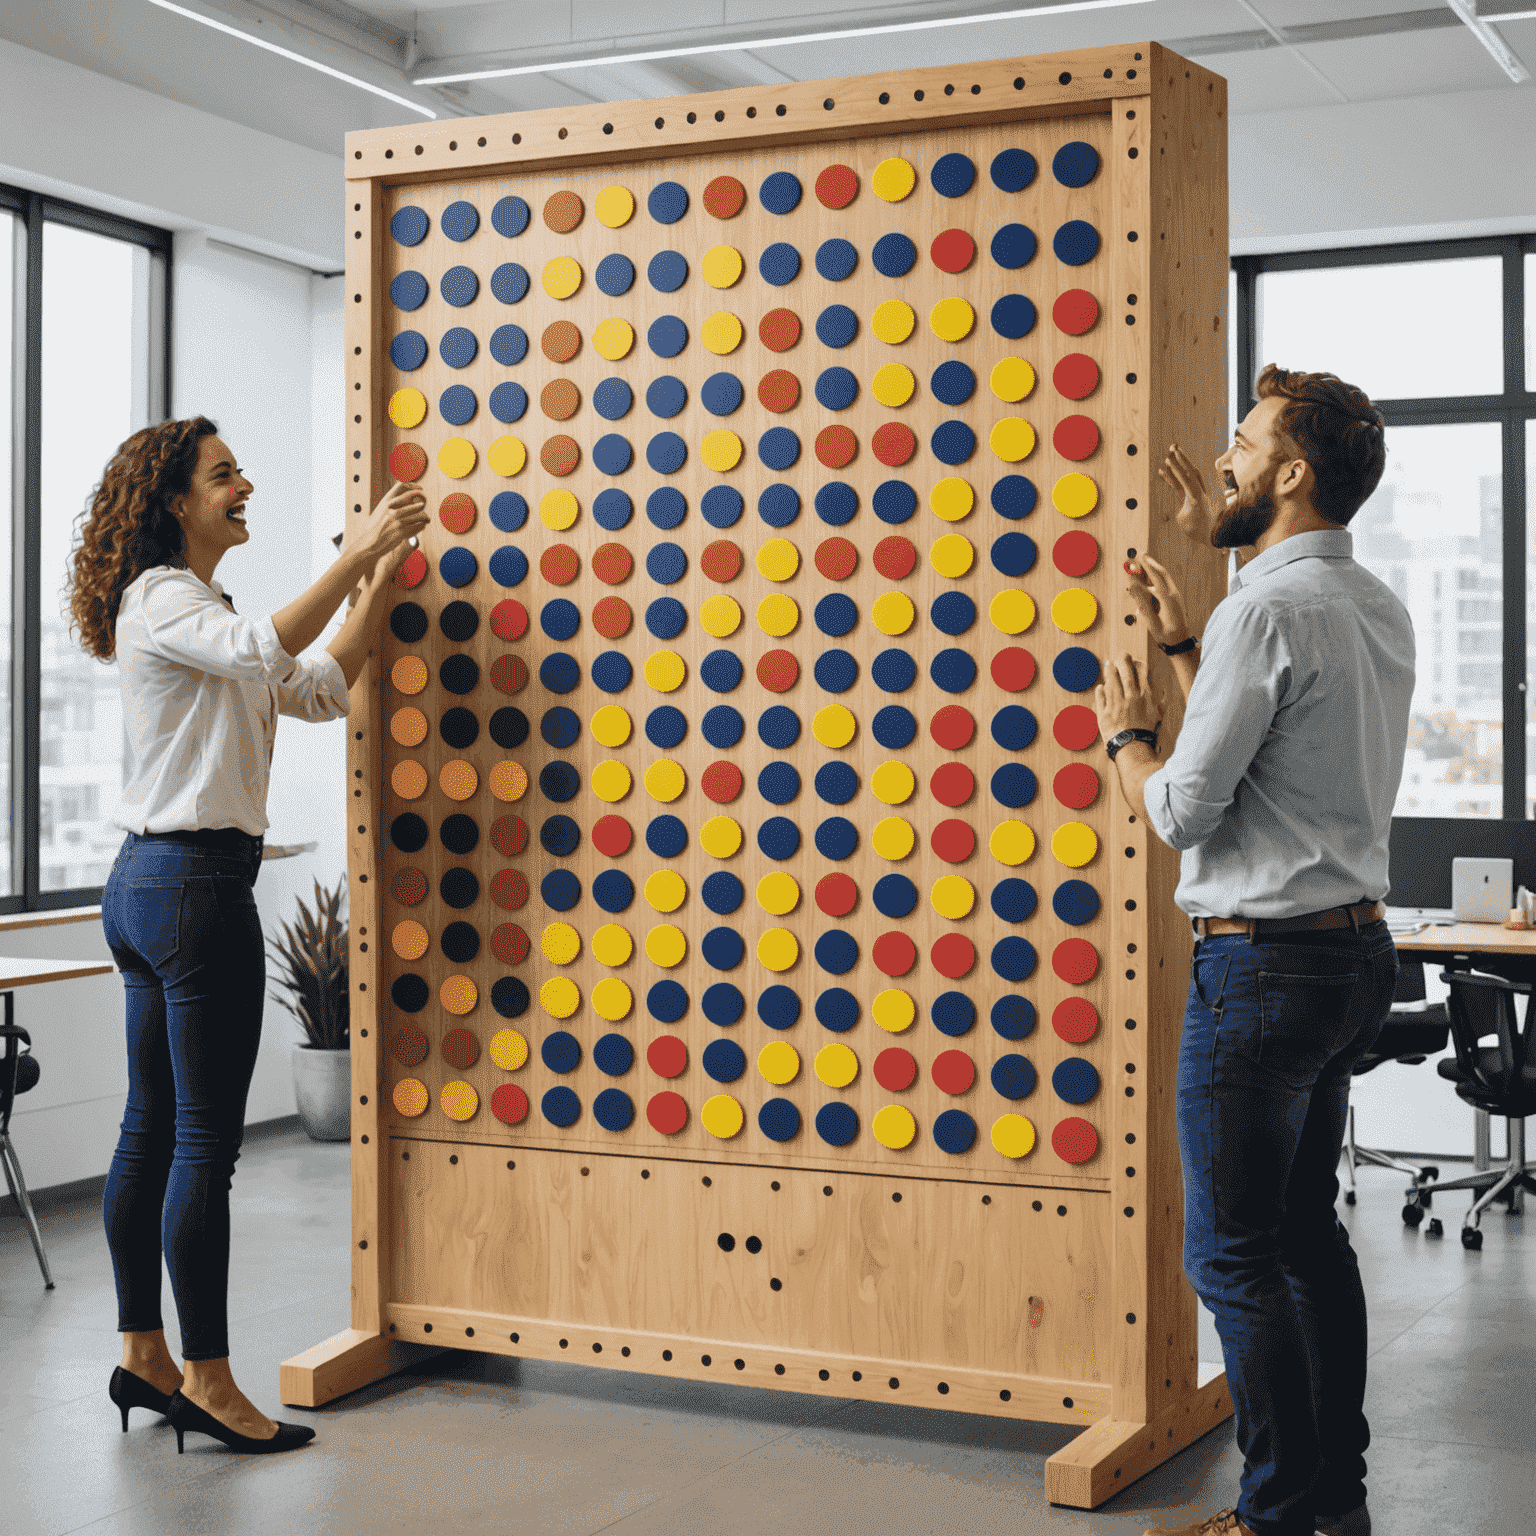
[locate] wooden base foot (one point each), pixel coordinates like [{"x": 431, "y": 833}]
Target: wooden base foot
[
  {"x": 352, "y": 1359},
  {"x": 1112, "y": 1454}
]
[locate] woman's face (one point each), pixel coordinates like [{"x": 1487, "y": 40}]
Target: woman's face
[{"x": 212, "y": 513}]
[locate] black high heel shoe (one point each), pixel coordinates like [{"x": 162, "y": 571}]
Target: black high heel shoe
[
  {"x": 185, "y": 1414},
  {"x": 130, "y": 1391}
]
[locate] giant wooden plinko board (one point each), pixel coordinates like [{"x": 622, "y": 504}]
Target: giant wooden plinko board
[{"x": 755, "y": 971}]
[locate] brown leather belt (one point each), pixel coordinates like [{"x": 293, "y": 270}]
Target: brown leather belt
[{"x": 1258, "y": 927}]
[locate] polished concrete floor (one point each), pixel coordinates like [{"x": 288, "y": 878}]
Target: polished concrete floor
[{"x": 487, "y": 1444}]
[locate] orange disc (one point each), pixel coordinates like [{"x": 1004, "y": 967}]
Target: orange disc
[
  {"x": 559, "y": 564},
  {"x": 559, "y": 399},
  {"x": 560, "y": 455},
  {"x": 778, "y": 330},
  {"x": 563, "y": 212},
  {"x": 509, "y": 835},
  {"x": 410, "y": 887},
  {"x": 509, "y": 889},
  {"x": 611, "y": 617},
  {"x": 457, "y": 513},
  {"x": 612, "y": 563},
  {"x": 560, "y": 341},
  {"x": 894, "y": 443},
  {"x": 836, "y": 446},
  {"x": 461, "y": 1049},
  {"x": 509, "y": 943},
  {"x": 721, "y": 560},
  {"x": 836, "y": 558},
  {"x": 778, "y": 390},
  {"x": 509, "y": 674},
  {"x": 723, "y": 197},
  {"x": 778, "y": 671}
]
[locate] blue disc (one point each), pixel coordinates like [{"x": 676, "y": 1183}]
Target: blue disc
[
  {"x": 779, "y": 505},
  {"x": 952, "y": 175},
  {"x": 953, "y": 442},
  {"x": 668, "y": 202},
  {"x": 1013, "y": 316},
  {"x": 1013, "y": 1017},
  {"x": 458, "y": 347},
  {"x": 722, "y": 1004},
  {"x": 668, "y": 271},
  {"x": 667, "y": 336},
  {"x": 1076, "y": 243},
  {"x": 666, "y": 726},
  {"x": 722, "y": 948},
  {"x": 953, "y": 670},
  {"x": 666, "y": 1002},
  {"x": 612, "y": 454},
  {"x": 836, "y": 326},
  {"x": 666, "y": 508},
  {"x": 836, "y": 614},
  {"x": 612, "y": 508},
  {"x": 893, "y": 727},
  {"x": 778, "y": 1007},
  {"x": 780, "y": 192},
  {"x": 953, "y": 1013},
  {"x": 721, "y": 506},
  {"x": 953, "y": 383},
  {"x": 666, "y": 563},
  {"x": 894, "y": 896},
  {"x": 722, "y": 727},
  {"x": 460, "y": 220},
  {"x": 720, "y": 394},
  {"x": 1012, "y": 170},
  {"x": 409, "y": 225},
  {"x": 952, "y": 613},
  {"x": 508, "y": 401},
  {"x": 893, "y": 671},
  {"x": 1013, "y": 497},
  {"x": 1076, "y": 670},
  {"x": 1013, "y": 785},
  {"x": 613, "y": 890},
  {"x": 560, "y": 890},
  {"x": 1013, "y": 1076},
  {"x": 837, "y": 838},
  {"x": 560, "y": 618},
  {"x": 615, "y": 275},
  {"x": 1013, "y": 246},
  {"x": 612, "y": 399},
  {"x": 836, "y": 388},
  {"x": 836, "y": 671},
  {"x": 666, "y": 395},
  {"x": 1013, "y": 900},
  {"x": 778, "y": 448},
  {"x": 954, "y": 1131},
  {"x": 508, "y": 566},
  {"x": 509, "y": 282},
  {"x": 837, "y": 1009},
  {"x": 457, "y": 567},
  {"x": 1013, "y": 554},
  {"x": 835, "y": 260},
  {"x": 560, "y": 727},
  {"x": 408, "y": 351},
  {"x": 837, "y": 1124},
  {"x": 458, "y": 286},
  {"x": 779, "y": 1119},
  {"x": 561, "y": 1106},
  {"x": 560, "y": 672},
  {"x": 560, "y": 836},
  {"x": 779, "y": 264},
  {"x": 1013, "y": 727},
  {"x": 836, "y": 503},
  {"x": 612, "y": 671},
  {"x": 778, "y": 782},
  {"x": 666, "y": 836},
  {"x": 779, "y": 838},
  {"x": 1075, "y": 902},
  {"x": 722, "y": 892},
  {"x": 894, "y": 501},
  {"x": 509, "y": 345},
  {"x": 723, "y": 1060},
  {"x": 836, "y": 783},
  {"x": 893, "y": 255},
  {"x": 1013, "y": 958},
  {"x": 721, "y": 670},
  {"x": 1075, "y": 1080},
  {"x": 508, "y": 511},
  {"x": 613, "y": 1054},
  {"x": 666, "y": 453},
  {"x": 779, "y": 727},
  {"x": 510, "y": 216},
  {"x": 837, "y": 952},
  {"x": 613, "y": 1109},
  {"x": 408, "y": 291},
  {"x": 456, "y": 405},
  {"x": 560, "y": 1052},
  {"x": 665, "y": 618},
  {"x": 1075, "y": 164}
]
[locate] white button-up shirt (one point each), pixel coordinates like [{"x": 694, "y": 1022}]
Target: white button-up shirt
[{"x": 202, "y": 690}]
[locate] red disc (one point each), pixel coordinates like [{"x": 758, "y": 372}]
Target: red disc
[
  {"x": 778, "y": 671},
  {"x": 461, "y": 1049},
  {"x": 779, "y": 329},
  {"x": 1075, "y": 311},
  {"x": 953, "y": 955},
  {"x": 952, "y": 727},
  {"x": 509, "y": 674},
  {"x": 836, "y": 558},
  {"x": 509, "y": 888},
  {"x": 1076, "y": 728},
  {"x": 509, "y": 943},
  {"x": 721, "y": 783},
  {"x": 611, "y": 836},
  {"x": 895, "y": 1069},
  {"x": 954, "y": 840},
  {"x": 1076, "y": 376},
  {"x": 836, "y": 895},
  {"x": 954, "y": 1071},
  {"x": 1013, "y": 668},
  {"x": 1074, "y": 1140},
  {"x": 894, "y": 443},
  {"x": 1076, "y": 437},
  {"x": 1076, "y": 785},
  {"x": 612, "y": 563},
  {"x": 667, "y": 1112},
  {"x": 559, "y": 564},
  {"x": 953, "y": 784},
  {"x": 1075, "y": 553},
  {"x": 509, "y": 619},
  {"x": 952, "y": 251},
  {"x": 509, "y": 1104},
  {"x": 1075, "y": 960},
  {"x": 778, "y": 390},
  {"x": 413, "y": 570},
  {"x": 457, "y": 513},
  {"x": 611, "y": 617},
  {"x": 509, "y": 835},
  {"x": 668, "y": 1056},
  {"x": 894, "y": 954},
  {"x": 724, "y": 196},
  {"x": 407, "y": 462},
  {"x": 1076, "y": 1020},
  {"x": 721, "y": 560},
  {"x": 836, "y": 446},
  {"x": 895, "y": 557},
  {"x": 837, "y": 186}
]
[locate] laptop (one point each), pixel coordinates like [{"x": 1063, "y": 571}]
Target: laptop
[{"x": 1482, "y": 890}]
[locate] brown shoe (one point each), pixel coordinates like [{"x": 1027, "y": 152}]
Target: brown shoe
[
  {"x": 1356, "y": 1523},
  {"x": 1223, "y": 1523}
]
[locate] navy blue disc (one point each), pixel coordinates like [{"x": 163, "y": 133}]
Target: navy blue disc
[
  {"x": 408, "y": 291},
  {"x": 836, "y": 783},
  {"x": 613, "y": 890},
  {"x": 837, "y": 1009},
  {"x": 458, "y": 566},
  {"x": 560, "y": 836},
  {"x": 952, "y": 613},
  {"x": 1075, "y": 1080},
  {"x": 611, "y": 454},
  {"x": 953, "y": 670},
  {"x": 778, "y": 1007},
  {"x": 836, "y": 326},
  {"x": 723, "y": 948},
  {"x": 1012, "y": 170},
  {"x": 1013, "y": 900},
  {"x": 1014, "y": 958},
  {"x": 779, "y": 1119},
  {"x": 1013, "y": 785},
  {"x": 613, "y": 1055},
  {"x": 723, "y": 1060},
  {"x": 953, "y": 383},
  {"x": 953, "y": 174},
  {"x": 612, "y": 508},
  {"x": 613, "y": 1109},
  {"x": 615, "y": 275},
  {"x": 666, "y": 836},
  {"x": 779, "y": 264},
  {"x": 668, "y": 271},
  {"x": 954, "y": 1131},
  {"x": 1013, "y": 316},
  {"x": 722, "y": 892},
  {"x": 561, "y": 1051},
  {"x": 721, "y": 670},
  {"x": 508, "y": 401},
  {"x": 894, "y": 671},
  {"x": 560, "y": 1106},
  {"x": 612, "y": 399},
  {"x": 953, "y": 1013},
  {"x": 780, "y": 192},
  {"x": 893, "y": 255},
  {"x": 666, "y": 395},
  {"x": 720, "y": 394},
  {"x": 778, "y": 448},
  {"x": 837, "y": 952},
  {"x": 560, "y": 890},
  {"x": 894, "y": 501},
  {"x": 667, "y": 336},
  {"x": 560, "y": 727},
  {"x": 665, "y": 618},
  {"x": 837, "y": 838},
  {"x": 894, "y": 896},
  {"x": 508, "y": 511},
  {"x": 510, "y": 216},
  {"x": 779, "y": 838},
  {"x": 1076, "y": 243},
  {"x": 1013, "y": 497},
  {"x": 836, "y": 671},
  {"x": 666, "y": 1002},
  {"x": 1075, "y": 902},
  {"x": 666, "y": 453},
  {"x": 836, "y": 503},
  {"x": 953, "y": 442},
  {"x": 722, "y": 1004},
  {"x": 409, "y": 225},
  {"x": 779, "y": 727},
  {"x": 837, "y": 1124},
  {"x": 836, "y": 614},
  {"x": 666, "y": 508},
  {"x": 612, "y": 671},
  {"x": 1013, "y": 727},
  {"x": 893, "y": 727},
  {"x": 1013, "y": 1017},
  {"x": 1076, "y": 670},
  {"x": 458, "y": 286},
  {"x": 560, "y": 618},
  {"x": 666, "y": 563},
  {"x": 836, "y": 388},
  {"x": 1013, "y": 1076},
  {"x": 666, "y": 726},
  {"x": 1075, "y": 164},
  {"x": 1014, "y": 554},
  {"x": 835, "y": 260},
  {"x": 722, "y": 727},
  {"x": 509, "y": 282},
  {"x": 668, "y": 202},
  {"x": 560, "y": 672},
  {"x": 456, "y": 405},
  {"x": 458, "y": 347},
  {"x": 1013, "y": 246},
  {"x": 408, "y": 351},
  {"x": 509, "y": 345},
  {"x": 721, "y": 506},
  {"x": 778, "y": 505}
]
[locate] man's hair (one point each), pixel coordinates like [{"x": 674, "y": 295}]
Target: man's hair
[{"x": 1336, "y": 429}]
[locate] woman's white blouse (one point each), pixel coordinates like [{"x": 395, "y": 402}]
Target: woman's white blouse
[{"x": 202, "y": 690}]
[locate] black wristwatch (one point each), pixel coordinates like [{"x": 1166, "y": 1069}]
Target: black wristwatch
[
  {"x": 1119, "y": 740},
  {"x": 1181, "y": 649}
]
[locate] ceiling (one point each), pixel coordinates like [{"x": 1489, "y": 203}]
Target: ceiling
[{"x": 1275, "y": 54}]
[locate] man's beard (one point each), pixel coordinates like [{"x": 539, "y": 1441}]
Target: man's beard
[{"x": 1245, "y": 522}]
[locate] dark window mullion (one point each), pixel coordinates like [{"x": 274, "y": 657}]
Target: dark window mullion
[{"x": 27, "y": 708}]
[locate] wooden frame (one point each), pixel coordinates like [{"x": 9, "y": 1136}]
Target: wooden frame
[{"x": 912, "y": 1275}]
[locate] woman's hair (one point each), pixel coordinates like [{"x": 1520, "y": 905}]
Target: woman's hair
[
  {"x": 1336, "y": 429},
  {"x": 129, "y": 525}
]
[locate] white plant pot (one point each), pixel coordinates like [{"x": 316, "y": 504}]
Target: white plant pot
[{"x": 322, "y": 1086}]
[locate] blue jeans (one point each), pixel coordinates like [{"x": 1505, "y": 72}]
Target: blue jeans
[
  {"x": 182, "y": 925},
  {"x": 1272, "y": 1030}
]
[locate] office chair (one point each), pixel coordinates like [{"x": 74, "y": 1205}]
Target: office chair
[
  {"x": 1497, "y": 1079},
  {"x": 19, "y": 1071}
]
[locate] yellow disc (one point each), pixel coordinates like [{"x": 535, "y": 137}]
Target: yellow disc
[
  {"x": 1012, "y": 439},
  {"x": 777, "y": 615},
  {"x": 894, "y": 1010},
  {"x": 893, "y": 613},
  {"x": 409, "y": 940},
  {"x": 1074, "y": 844},
  {"x": 1012, "y": 379},
  {"x": 411, "y": 1097},
  {"x": 833, "y": 725},
  {"x": 722, "y": 265},
  {"x": 952, "y": 555},
  {"x": 665, "y": 945},
  {"x": 893, "y": 321},
  {"x": 721, "y": 450},
  {"x": 456, "y": 457},
  {"x": 893, "y": 179},
  {"x": 721, "y": 333},
  {"x": 836, "y": 1065},
  {"x": 1011, "y": 842},
  {"x": 720, "y": 615},
  {"x": 509, "y": 780},
  {"x": 611, "y": 725},
  {"x": 559, "y": 997},
  {"x": 407, "y": 407},
  {"x": 779, "y": 1062},
  {"x": 1013, "y": 1135},
  {"x": 723, "y": 1117},
  {"x": 893, "y": 782},
  {"x": 458, "y": 779},
  {"x": 506, "y": 456},
  {"x": 720, "y": 836},
  {"x": 953, "y": 896},
  {"x": 614, "y": 206},
  {"x": 778, "y": 560},
  {"x": 893, "y": 838},
  {"x": 562, "y": 277},
  {"x": 951, "y": 319},
  {"x": 612, "y": 945},
  {"x": 560, "y": 943},
  {"x": 408, "y": 727},
  {"x": 613, "y": 339},
  {"x": 1074, "y": 610},
  {"x": 666, "y": 890},
  {"x": 459, "y": 1101},
  {"x": 509, "y": 1049},
  {"x": 778, "y": 949},
  {"x": 409, "y": 780},
  {"x": 665, "y": 671},
  {"x": 1075, "y": 495},
  {"x": 665, "y": 780},
  {"x": 611, "y": 999},
  {"x": 778, "y": 894},
  {"x": 557, "y": 510},
  {"x": 894, "y": 1127},
  {"x": 1012, "y": 611},
  {"x": 409, "y": 675},
  {"x": 952, "y": 498},
  {"x": 458, "y": 995},
  {"x": 894, "y": 384}
]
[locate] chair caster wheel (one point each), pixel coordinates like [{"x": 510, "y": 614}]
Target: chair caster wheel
[
  {"x": 1471, "y": 1238},
  {"x": 1412, "y": 1215},
  {"x": 1434, "y": 1229},
  {"x": 1349, "y": 1197},
  {"x": 1430, "y": 1174}
]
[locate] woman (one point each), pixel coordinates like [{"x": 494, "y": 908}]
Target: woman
[{"x": 202, "y": 689}]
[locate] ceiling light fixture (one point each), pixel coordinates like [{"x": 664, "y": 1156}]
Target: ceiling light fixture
[
  {"x": 298, "y": 58},
  {"x": 1018, "y": 14},
  {"x": 1482, "y": 29}
]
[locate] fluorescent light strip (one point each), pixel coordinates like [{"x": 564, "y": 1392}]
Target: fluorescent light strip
[
  {"x": 298, "y": 58},
  {"x": 772, "y": 42},
  {"x": 1503, "y": 55}
]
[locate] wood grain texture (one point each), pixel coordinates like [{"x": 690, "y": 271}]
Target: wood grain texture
[{"x": 343, "y": 1363}]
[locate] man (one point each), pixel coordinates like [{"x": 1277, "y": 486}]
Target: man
[{"x": 1279, "y": 794}]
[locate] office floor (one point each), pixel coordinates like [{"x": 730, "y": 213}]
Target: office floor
[{"x": 487, "y": 1444}]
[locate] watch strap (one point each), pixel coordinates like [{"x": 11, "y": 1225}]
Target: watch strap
[
  {"x": 1119, "y": 740},
  {"x": 1181, "y": 649}
]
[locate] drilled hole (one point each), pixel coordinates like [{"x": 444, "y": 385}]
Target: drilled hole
[
  {"x": 693, "y": 117},
  {"x": 607, "y": 127},
  {"x": 885, "y": 98},
  {"x": 781, "y": 109},
  {"x": 719, "y": 117},
  {"x": 563, "y": 132}
]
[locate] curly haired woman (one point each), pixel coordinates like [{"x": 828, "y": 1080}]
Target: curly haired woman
[{"x": 202, "y": 690}]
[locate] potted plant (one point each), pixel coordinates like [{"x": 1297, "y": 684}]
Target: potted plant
[{"x": 314, "y": 959}]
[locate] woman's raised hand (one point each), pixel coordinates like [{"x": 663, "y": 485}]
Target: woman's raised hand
[
  {"x": 398, "y": 518},
  {"x": 1160, "y": 602}
]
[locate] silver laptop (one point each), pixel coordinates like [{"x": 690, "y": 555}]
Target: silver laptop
[{"x": 1482, "y": 890}]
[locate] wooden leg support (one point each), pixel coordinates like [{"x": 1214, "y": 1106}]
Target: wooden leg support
[
  {"x": 1112, "y": 1454},
  {"x": 342, "y": 1364}
]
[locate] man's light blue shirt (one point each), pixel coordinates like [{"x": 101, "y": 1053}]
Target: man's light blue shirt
[{"x": 1279, "y": 791}]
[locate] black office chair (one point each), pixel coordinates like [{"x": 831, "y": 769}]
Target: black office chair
[
  {"x": 19, "y": 1071},
  {"x": 1498, "y": 1079}
]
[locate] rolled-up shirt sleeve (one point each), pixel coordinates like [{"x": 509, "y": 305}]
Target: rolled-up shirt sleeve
[
  {"x": 315, "y": 691},
  {"x": 186, "y": 623}
]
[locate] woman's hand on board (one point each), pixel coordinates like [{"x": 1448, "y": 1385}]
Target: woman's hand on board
[{"x": 399, "y": 517}]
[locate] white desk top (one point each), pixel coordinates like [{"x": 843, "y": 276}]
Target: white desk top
[{"x": 30, "y": 973}]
